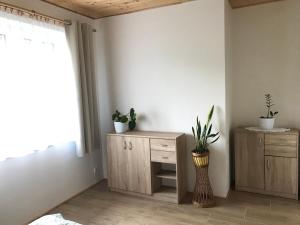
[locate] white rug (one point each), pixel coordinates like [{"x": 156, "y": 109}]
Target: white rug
[{"x": 55, "y": 219}]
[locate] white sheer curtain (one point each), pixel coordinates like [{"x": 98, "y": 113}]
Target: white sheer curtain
[{"x": 38, "y": 100}]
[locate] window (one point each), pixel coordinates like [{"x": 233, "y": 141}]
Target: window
[{"x": 38, "y": 100}]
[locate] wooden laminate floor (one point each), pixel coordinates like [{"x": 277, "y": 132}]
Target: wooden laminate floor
[{"x": 98, "y": 206}]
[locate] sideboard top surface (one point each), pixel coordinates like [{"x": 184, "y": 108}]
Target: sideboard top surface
[
  {"x": 292, "y": 131},
  {"x": 149, "y": 134}
]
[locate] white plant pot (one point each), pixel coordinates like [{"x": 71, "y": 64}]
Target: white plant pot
[
  {"x": 120, "y": 127},
  {"x": 266, "y": 123}
]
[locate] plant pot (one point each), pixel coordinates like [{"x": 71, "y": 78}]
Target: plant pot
[
  {"x": 200, "y": 160},
  {"x": 120, "y": 127},
  {"x": 203, "y": 195},
  {"x": 266, "y": 123}
]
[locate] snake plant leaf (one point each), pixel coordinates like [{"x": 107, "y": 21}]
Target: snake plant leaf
[
  {"x": 210, "y": 114},
  {"x": 198, "y": 125},
  {"x": 204, "y": 131},
  {"x": 200, "y": 129},
  {"x": 194, "y": 133},
  {"x": 214, "y": 140},
  {"x": 209, "y": 130},
  {"x": 213, "y": 135}
]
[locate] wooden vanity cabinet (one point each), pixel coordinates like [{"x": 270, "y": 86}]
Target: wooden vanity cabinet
[
  {"x": 137, "y": 162},
  {"x": 267, "y": 162}
]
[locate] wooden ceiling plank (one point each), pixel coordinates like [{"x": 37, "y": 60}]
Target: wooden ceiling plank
[{"x": 103, "y": 8}]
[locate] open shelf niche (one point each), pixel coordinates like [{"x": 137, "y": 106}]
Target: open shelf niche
[{"x": 164, "y": 181}]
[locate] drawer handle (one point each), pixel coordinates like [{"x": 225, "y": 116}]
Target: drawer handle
[
  {"x": 164, "y": 145},
  {"x": 268, "y": 164},
  {"x": 165, "y": 157}
]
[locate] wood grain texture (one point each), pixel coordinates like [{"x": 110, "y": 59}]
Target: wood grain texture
[
  {"x": 165, "y": 193},
  {"x": 280, "y": 162},
  {"x": 167, "y": 174},
  {"x": 163, "y": 156},
  {"x": 99, "y": 206},
  {"x": 129, "y": 164},
  {"x": 249, "y": 159},
  {"x": 156, "y": 181},
  {"x": 139, "y": 168},
  {"x": 281, "y": 139},
  {"x": 162, "y": 144},
  {"x": 245, "y": 3},
  {"x": 141, "y": 159},
  {"x": 149, "y": 134},
  {"x": 102, "y": 8},
  {"x": 181, "y": 166},
  {"x": 281, "y": 150},
  {"x": 117, "y": 164},
  {"x": 281, "y": 175}
]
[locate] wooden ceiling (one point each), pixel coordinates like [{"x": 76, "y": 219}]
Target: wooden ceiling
[
  {"x": 244, "y": 3},
  {"x": 102, "y": 8}
]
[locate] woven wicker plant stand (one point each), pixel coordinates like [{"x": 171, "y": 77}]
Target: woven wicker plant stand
[{"x": 203, "y": 194}]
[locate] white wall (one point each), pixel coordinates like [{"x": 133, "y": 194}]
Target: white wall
[
  {"x": 266, "y": 56},
  {"x": 31, "y": 185},
  {"x": 169, "y": 64}
]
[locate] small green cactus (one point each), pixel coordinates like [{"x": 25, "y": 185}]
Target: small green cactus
[{"x": 132, "y": 120}]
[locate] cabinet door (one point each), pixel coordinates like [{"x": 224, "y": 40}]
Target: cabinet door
[
  {"x": 117, "y": 162},
  {"x": 249, "y": 160},
  {"x": 281, "y": 175},
  {"x": 139, "y": 167}
]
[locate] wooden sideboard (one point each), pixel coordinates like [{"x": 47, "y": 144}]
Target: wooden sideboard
[
  {"x": 149, "y": 164},
  {"x": 267, "y": 162}
]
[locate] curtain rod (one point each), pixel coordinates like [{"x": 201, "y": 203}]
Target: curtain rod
[
  {"x": 11, "y": 8},
  {"x": 33, "y": 13}
]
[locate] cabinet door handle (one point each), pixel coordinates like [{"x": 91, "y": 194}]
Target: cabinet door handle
[
  {"x": 130, "y": 145},
  {"x": 125, "y": 145},
  {"x": 260, "y": 140},
  {"x": 268, "y": 164}
]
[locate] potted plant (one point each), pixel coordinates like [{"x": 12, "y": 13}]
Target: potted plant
[
  {"x": 267, "y": 122},
  {"x": 203, "y": 136},
  {"x": 123, "y": 122},
  {"x": 120, "y": 122}
]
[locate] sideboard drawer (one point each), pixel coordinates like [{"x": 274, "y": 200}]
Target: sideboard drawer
[
  {"x": 281, "y": 150},
  {"x": 163, "y": 156},
  {"x": 163, "y": 144},
  {"x": 278, "y": 139}
]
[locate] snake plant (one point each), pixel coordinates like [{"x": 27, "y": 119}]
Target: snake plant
[{"x": 203, "y": 136}]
